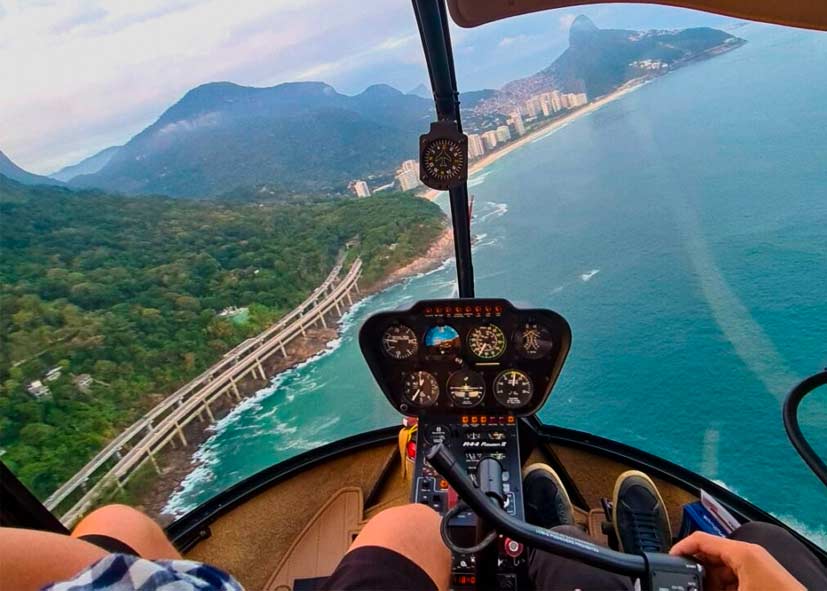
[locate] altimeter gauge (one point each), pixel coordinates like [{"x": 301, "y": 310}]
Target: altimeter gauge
[
  {"x": 420, "y": 388},
  {"x": 486, "y": 341},
  {"x": 399, "y": 341},
  {"x": 443, "y": 156},
  {"x": 513, "y": 389}
]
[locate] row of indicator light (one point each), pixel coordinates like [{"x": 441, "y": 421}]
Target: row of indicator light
[
  {"x": 465, "y": 580},
  {"x": 467, "y": 309},
  {"x": 485, "y": 420}
]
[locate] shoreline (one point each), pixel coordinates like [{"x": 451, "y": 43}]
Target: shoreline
[
  {"x": 177, "y": 463},
  {"x": 551, "y": 127}
]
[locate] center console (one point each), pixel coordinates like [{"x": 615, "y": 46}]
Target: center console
[{"x": 467, "y": 370}]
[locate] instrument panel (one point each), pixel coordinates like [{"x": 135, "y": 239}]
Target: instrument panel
[{"x": 466, "y": 355}]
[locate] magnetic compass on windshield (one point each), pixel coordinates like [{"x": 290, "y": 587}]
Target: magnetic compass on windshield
[
  {"x": 443, "y": 156},
  {"x": 420, "y": 388},
  {"x": 486, "y": 341},
  {"x": 399, "y": 341}
]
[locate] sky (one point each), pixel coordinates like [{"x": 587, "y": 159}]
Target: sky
[{"x": 77, "y": 76}]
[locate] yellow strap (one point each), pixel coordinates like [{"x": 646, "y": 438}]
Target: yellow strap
[{"x": 406, "y": 434}]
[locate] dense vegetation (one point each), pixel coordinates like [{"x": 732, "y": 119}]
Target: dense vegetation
[{"x": 128, "y": 289}]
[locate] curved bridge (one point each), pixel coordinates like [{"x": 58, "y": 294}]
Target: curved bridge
[{"x": 160, "y": 426}]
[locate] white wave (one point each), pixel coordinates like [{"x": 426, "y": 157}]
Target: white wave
[
  {"x": 550, "y": 132},
  {"x": 558, "y": 289},
  {"x": 493, "y": 209},
  {"x": 477, "y": 179},
  {"x": 587, "y": 276}
]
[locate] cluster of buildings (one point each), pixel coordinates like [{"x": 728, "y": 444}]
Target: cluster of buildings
[
  {"x": 407, "y": 178},
  {"x": 540, "y": 105},
  {"x": 40, "y": 389}
]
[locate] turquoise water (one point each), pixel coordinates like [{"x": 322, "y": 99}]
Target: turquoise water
[{"x": 682, "y": 231}]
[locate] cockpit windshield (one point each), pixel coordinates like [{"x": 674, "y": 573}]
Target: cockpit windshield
[{"x": 196, "y": 217}]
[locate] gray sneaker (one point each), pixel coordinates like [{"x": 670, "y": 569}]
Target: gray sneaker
[
  {"x": 639, "y": 515},
  {"x": 547, "y": 503}
]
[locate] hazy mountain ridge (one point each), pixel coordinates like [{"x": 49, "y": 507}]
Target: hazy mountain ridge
[
  {"x": 89, "y": 165},
  {"x": 12, "y": 171},
  {"x": 302, "y": 136}
]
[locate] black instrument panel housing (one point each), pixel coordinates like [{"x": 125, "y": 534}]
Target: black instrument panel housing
[{"x": 464, "y": 315}]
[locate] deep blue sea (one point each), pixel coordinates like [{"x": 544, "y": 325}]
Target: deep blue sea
[{"x": 682, "y": 231}]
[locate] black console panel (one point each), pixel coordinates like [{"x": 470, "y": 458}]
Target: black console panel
[{"x": 463, "y": 356}]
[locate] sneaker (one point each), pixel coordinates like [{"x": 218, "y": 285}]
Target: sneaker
[
  {"x": 547, "y": 503},
  {"x": 640, "y": 518}
]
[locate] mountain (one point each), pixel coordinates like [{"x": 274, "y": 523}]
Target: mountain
[
  {"x": 10, "y": 170},
  {"x": 598, "y": 61},
  {"x": 302, "y": 136},
  {"x": 88, "y": 165},
  {"x": 421, "y": 90}
]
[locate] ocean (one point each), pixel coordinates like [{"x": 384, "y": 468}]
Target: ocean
[{"x": 682, "y": 231}]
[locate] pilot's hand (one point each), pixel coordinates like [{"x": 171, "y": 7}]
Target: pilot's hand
[{"x": 731, "y": 565}]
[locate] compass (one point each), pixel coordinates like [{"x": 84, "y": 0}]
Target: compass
[{"x": 443, "y": 156}]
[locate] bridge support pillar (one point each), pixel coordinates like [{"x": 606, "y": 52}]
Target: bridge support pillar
[
  {"x": 356, "y": 287},
  {"x": 209, "y": 411},
  {"x": 260, "y": 369},
  {"x": 349, "y": 299},
  {"x": 338, "y": 309},
  {"x": 283, "y": 350},
  {"x": 153, "y": 460},
  {"x": 301, "y": 326},
  {"x": 235, "y": 389},
  {"x": 321, "y": 317},
  {"x": 180, "y": 434}
]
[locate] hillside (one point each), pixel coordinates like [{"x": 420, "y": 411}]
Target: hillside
[
  {"x": 11, "y": 171},
  {"x": 296, "y": 136},
  {"x": 127, "y": 289}
]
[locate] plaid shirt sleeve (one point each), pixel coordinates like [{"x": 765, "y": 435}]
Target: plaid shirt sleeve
[{"x": 123, "y": 572}]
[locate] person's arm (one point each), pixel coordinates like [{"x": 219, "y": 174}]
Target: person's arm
[{"x": 737, "y": 565}]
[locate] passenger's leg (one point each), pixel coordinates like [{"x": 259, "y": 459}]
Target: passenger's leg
[
  {"x": 787, "y": 550},
  {"x": 400, "y": 548},
  {"x": 32, "y": 559},
  {"x": 551, "y": 572},
  {"x": 130, "y": 527}
]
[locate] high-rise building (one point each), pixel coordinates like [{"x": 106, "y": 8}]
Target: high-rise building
[
  {"x": 408, "y": 179},
  {"x": 360, "y": 188},
  {"x": 517, "y": 121},
  {"x": 503, "y": 135},
  {"x": 475, "y": 146},
  {"x": 581, "y": 98},
  {"x": 532, "y": 107},
  {"x": 545, "y": 104},
  {"x": 410, "y": 165},
  {"x": 490, "y": 139},
  {"x": 556, "y": 101}
]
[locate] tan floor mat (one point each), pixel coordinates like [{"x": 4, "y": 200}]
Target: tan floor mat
[{"x": 322, "y": 543}]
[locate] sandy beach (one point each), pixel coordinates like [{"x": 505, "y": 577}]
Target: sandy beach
[{"x": 488, "y": 159}]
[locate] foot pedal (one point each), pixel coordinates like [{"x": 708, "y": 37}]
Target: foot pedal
[{"x": 608, "y": 526}]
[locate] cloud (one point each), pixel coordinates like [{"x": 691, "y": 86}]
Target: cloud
[
  {"x": 87, "y": 73},
  {"x": 565, "y": 21}
]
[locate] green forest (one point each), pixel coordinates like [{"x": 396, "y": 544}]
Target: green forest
[{"x": 128, "y": 290}]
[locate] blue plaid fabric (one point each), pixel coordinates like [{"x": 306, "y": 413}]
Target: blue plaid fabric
[{"x": 124, "y": 572}]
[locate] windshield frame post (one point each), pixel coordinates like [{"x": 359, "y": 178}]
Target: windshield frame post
[{"x": 432, "y": 21}]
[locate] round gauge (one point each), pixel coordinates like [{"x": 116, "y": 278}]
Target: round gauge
[
  {"x": 466, "y": 388},
  {"x": 399, "y": 341},
  {"x": 486, "y": 341},
  {"x": 513, "y": 389},
  {"x": 533, "y": 341},
  {"x": 442, "y": 340},
  {"x": 444, "y": 159},
  {"x": 420, "y": 388}
]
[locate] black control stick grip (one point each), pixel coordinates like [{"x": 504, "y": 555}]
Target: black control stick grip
[
  {"x": 490, "y": 477},
  {"x": 543, "y": 539}
]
